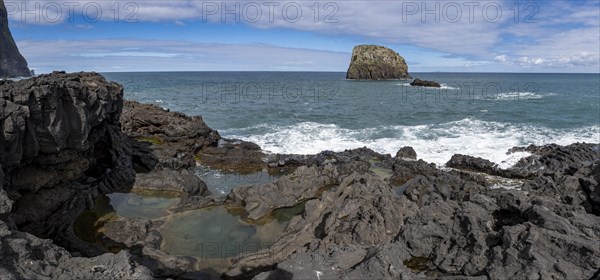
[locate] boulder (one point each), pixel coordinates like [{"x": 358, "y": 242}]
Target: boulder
[
  {"x": 423, "y": 83},
  {"x": 371, "y": 62},
  {"x": 406, "y": 153},
  {"x": 181, "y": 182}
]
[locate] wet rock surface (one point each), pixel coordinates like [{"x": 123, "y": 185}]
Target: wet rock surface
[
  {"x": 480, "y": 165},
  {"x": 181, "y": 182},
  {"x": 233, "y": 155},
  {"x": 149, "y": 123}
]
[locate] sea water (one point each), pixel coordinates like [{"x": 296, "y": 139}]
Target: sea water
[{"x": 478, "y": 114}]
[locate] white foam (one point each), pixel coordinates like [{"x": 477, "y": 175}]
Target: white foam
[
  {"x": 521, "y": 95},
  {"x": 433, "y": 143},
  {"x": 443, "y": 86}
]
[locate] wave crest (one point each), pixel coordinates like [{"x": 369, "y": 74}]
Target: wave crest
[{"x": 434, "y": 143}]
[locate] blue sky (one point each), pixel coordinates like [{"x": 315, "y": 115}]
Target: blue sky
[{"x": 454, "y": 36}]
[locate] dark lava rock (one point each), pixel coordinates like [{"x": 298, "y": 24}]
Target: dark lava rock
[
  {"x": 303, "y": 184},
  {"x": 150, "y": 123},
  {"x": 556, "y": 158},
  {"x": 371, "y": 62},
  {"x": 12, "y": 63},
  {"x": 60, "y": 147},
  {"x": 406, "y": 153},
  {"x": 443, "y": 225},
  {"x": 24, "y": 256},
  {"x": 182, "y": 182},
  {"x": 423, "y": 83},
  {"x": 477, "y": 164},
  {"x": 180, "y": 141},
  {"x": 357, "y": 223},
  {"x": 233, "y": 155}
]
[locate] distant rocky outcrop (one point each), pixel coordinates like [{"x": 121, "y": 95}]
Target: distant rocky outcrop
[
  {"x": 424, "y": 83},
  {"x": 371, "y": 62},
  {"x": 12, "y": 63}
]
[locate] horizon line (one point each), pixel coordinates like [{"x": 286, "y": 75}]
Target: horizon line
[{"x": 317, "y": 71}]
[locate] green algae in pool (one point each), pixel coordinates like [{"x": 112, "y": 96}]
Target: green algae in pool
[
  {"x": 131, "y": 205},
  {"x": 215, "y": 233},
  {"x": 89, "y": 223},
  {"x": 384, "y": 173}
]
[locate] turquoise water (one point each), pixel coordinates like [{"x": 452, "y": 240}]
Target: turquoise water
[
  {"x": 221, "y": 182},
  {"x": 477, "y": 114},
  {"x": 215, "y": 233},
  {"x": 131, "y": 205}
]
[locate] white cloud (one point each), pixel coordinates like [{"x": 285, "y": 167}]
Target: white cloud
[
  {"x": 501, "y": 58},
  {"x": 162, "y": 55},
  {"x": 578, "y": 48},
  {"x": 565, "y": 33},
  {"x": 128, "y": 54}
]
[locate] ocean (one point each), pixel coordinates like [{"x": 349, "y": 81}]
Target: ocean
[{"x": 478, "y": 114}]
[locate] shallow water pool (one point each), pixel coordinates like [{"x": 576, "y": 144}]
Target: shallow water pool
[{"x": 216, "y": 233}]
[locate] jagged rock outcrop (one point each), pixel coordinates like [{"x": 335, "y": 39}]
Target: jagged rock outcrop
[
  {"x": 60, "y": 147},
  {"x": 12, "y": 63},
  {"x": 180, "y": 141},
  {"x": 365, "y": 215},
  {"x": 443, "y": 224},
  {"x": 371, "y": 62},
  {"x": 425, "y": 83},
  {"x": 476, "y": 164},
  {"x": 24, "y": 256},
  {"x": 170, "y": 130}
]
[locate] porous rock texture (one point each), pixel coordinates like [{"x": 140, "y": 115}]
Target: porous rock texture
[
  {"x": 370, "y": 62},
  {"x": 60, "y": 147},
  {"x": 366, "y": 215},
  {"x": 441, "y": 224}
]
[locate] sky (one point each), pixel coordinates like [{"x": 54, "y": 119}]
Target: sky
[{"x": 445, "y": 36}]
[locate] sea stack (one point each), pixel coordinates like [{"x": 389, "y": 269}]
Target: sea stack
[
  {"x": 370, "y": 62},
  {"x": 12, "y": 63}
]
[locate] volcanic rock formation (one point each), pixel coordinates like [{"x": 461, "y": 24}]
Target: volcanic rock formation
[
  {"x": 64, "y": 142},
  {"x": 371, "y": 62},
  {"x": 12, "y": 63}
]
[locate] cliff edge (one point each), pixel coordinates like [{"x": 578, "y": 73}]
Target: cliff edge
[{"x": 12, "y": 63}]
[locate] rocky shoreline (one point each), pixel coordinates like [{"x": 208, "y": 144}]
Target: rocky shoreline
[{"x": 67, "y": 140}]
